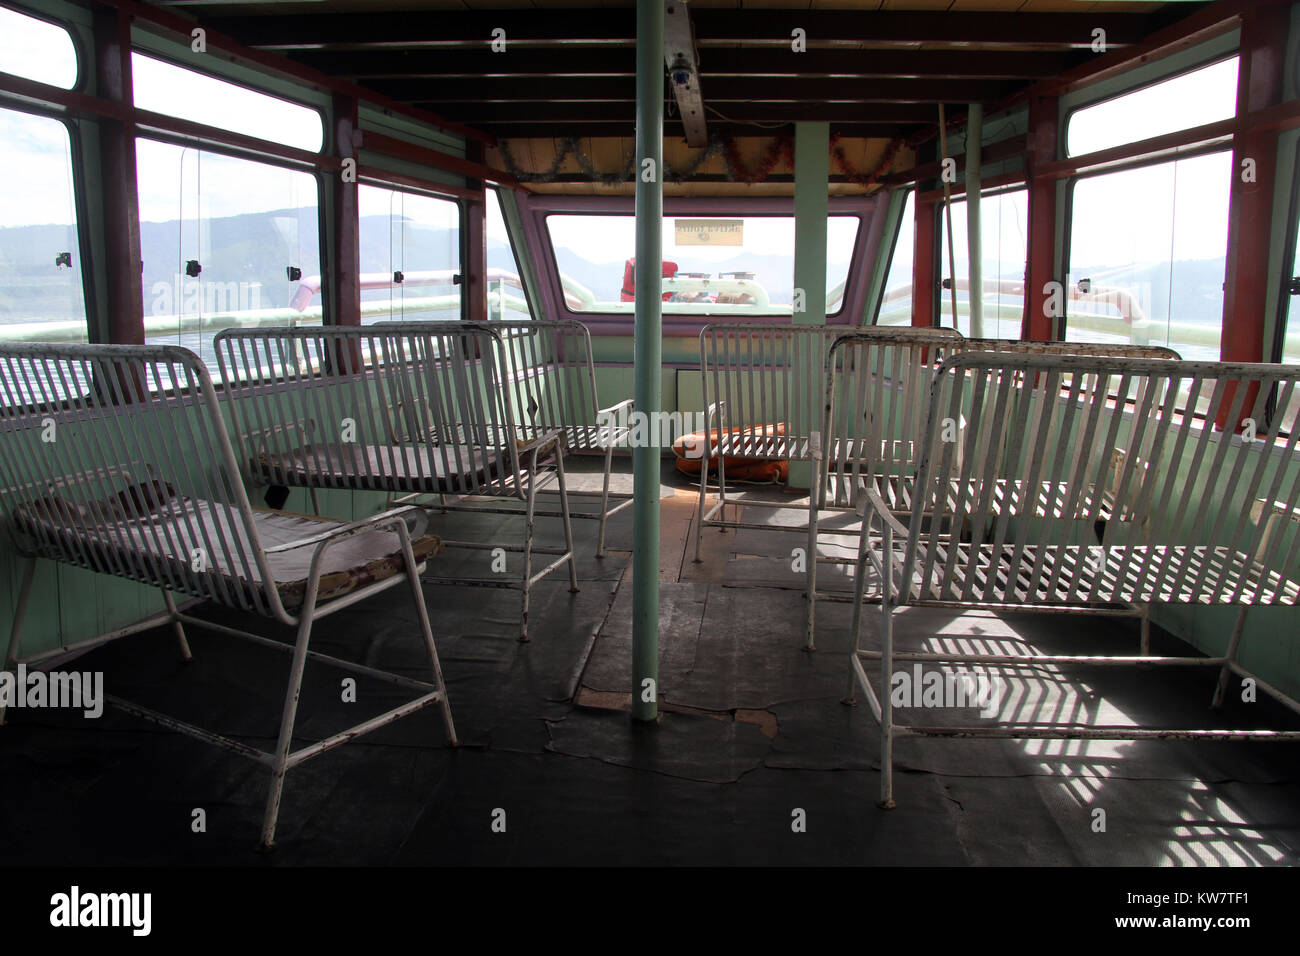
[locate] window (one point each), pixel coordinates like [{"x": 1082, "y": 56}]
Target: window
[
  {"x": 410, "y": 256},
  {"x": 506, "y": 298},
  {"x": 1183, "y": 102},
  {"x": 222, "y": 240},
  {"x": 37, "y": 50},
  {"x": 41, "y": 295},
  {"x": 896, "y": 305},
  {"x": 712, "y": 265},
  {"x": 1004, "y": 219},
  {"x": 161, "y": 87},
  {"x": 1148, "y": 252}
]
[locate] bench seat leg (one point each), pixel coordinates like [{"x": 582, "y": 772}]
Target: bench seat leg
[
  {"x": 20, "y": 615},
  {"x": 1225, "y": 672},
  {"x": 175, "y": 615},
  {"x": 283, "y": 757},
  {"x": 604, "y": 502},
  {"x": 886, "y": 670}
]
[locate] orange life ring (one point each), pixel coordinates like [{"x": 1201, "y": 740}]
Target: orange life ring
[{"x": 736, "y": 467}]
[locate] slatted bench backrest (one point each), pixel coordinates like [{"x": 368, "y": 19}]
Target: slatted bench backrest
[
  {"x": 767, "y": 374},
  {"x": 878, "y": 382},
  {"x": 116, "y": 459},
  {"x": 387, "y": 407},
  {"x": 550, "y": 379},
  {"x": 1016, "y": 467}
]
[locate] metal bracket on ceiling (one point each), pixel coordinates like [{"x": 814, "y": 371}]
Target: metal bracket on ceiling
[{"x": 682, "y": 60}]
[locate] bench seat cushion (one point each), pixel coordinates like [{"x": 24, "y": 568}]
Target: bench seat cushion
[{"x": 158, "y": 546}]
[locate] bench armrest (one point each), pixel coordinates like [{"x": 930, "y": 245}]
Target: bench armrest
[
  {"x": 870, "y": 502},
  {"x": 390, "y": 518},
  {"x": 613, "y": 410}
]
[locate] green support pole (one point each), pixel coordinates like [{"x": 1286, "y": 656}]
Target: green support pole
[
  {"x": 812, "y": 171},
  {"x": 647, "y": 355},
  {"x": 974, "y": 232}
]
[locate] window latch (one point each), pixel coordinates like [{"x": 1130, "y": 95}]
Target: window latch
[
  {"x": 1293, "y": 286},
  {"x": 457, "y": 279},
  {"x": 398, "y": 277},
  {"x": 293, "y": 272},
  {"x": 63, "y": 259},
  {"x": 192, "y": 268}
]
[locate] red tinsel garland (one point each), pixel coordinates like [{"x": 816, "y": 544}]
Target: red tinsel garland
[
  {"x": 780, "y": 148},
  {"x": 851, "y": 172}
]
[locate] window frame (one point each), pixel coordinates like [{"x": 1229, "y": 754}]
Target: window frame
[
  {"x": 1211, "y": 59},
  {"x": 1196, "y": 152},
  {"x": 94, "y": 334},
  {"x": 78, "y": 50},
  {"x": 536, "y": 208}
]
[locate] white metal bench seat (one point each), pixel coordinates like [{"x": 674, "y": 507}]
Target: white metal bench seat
[
  {"x": 549, "y": 371},
  {"x": 404, "y": 469},
  {"x": 877, "y": 392},
  {"x": 1197, "y": 515},
  {"x": 410, "y": 409},
  {"x": 117, "y": 459},
  {"x": 764, "y": 398}
]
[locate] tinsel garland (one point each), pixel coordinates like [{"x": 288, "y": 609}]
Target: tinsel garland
[
  {"x": 782, "y": 147},
  {"x": 851, "y": 172}
]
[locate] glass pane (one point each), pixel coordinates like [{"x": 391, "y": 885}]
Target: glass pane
[
  {"x": 1193, "y": 99},
  {"x": 37, "y": 50},
  {"x": 174, "y": 91},
  {"x": 506, "y": 299},
  {"x": 712, "y": 265},
  {"x": 417, "y": 237},
  {"x": 896, "y": 305},
  {"x": 1149, "y": 246},
  {"x": 244, "y": 224},
  {"x": 41, "y": 296},
  {"x": 1004, "y": 219}
]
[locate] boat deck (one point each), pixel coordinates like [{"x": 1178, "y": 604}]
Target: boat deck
[{"x": 753, "y": 730}]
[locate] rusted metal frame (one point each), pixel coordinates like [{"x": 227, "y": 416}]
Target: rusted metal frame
[
  {"x": 471, "y": 167},
  {"x": 378, "y": 176},
  {"x": 343, "y": 242},
  {"x": 1013, "y": 148},
  {"x": 119, "y": 203},
  {"x": 1040, "y": 268},
  {"x": 1264, "y": 33},
  {"x": 925, "y": 262},
  {"x": 171, "y": 25},
  {"x": 935, "y": 197},
  {"x": 71, "y": 102},
  {"x": 473, "y": 255}
]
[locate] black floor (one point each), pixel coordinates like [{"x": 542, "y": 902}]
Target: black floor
[{"x": 753, "y": 741}]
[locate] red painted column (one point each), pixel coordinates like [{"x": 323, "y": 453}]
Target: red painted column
[
  {"x": 120, "y": 201},
  {"x": 925, "y": 281},
  {"x": 474, "y": 246},
  {"x": 1250, "y": 215},
  {"x": 346, "y": 252},
  {"x": 1044, "y": 135}
]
